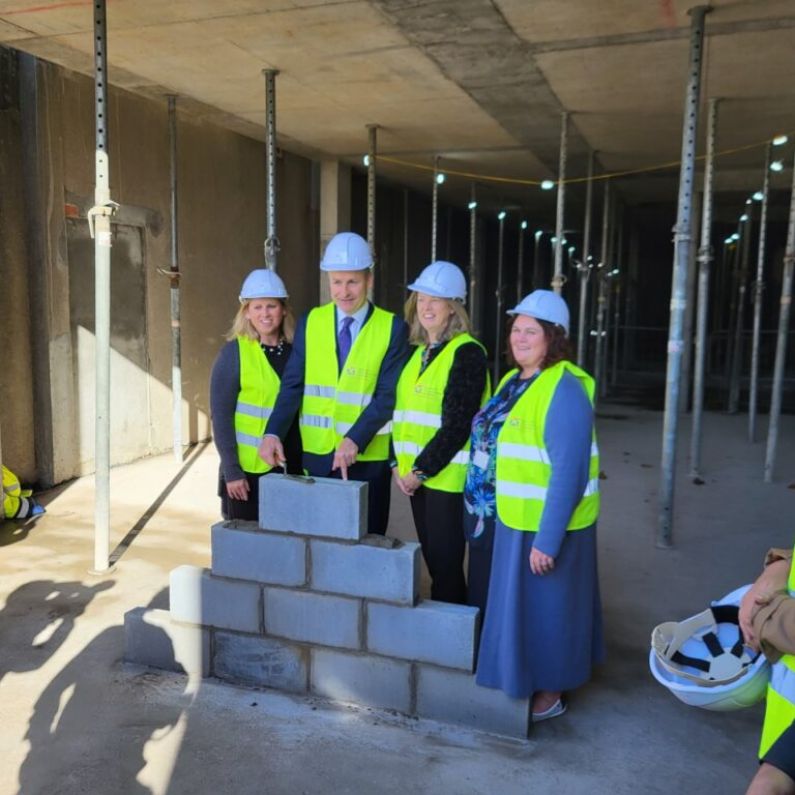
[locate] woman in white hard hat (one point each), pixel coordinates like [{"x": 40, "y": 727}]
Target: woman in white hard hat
[
  {"x": 440, "y": 389},
  {"x": 531, "y": 503},
  {"x": 243, "y": 387}
]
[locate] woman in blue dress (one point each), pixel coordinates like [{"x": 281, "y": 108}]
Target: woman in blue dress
[{"x": 531, "y": 503}]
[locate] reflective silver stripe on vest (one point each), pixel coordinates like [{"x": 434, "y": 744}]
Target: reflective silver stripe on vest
[
  {"x": 418, "y": 418},
  {"x": 315, "y": 421},
  {"x": 524, "y": 452},
  {"x": 412, "y": 448},
  {"x": 247, "y": 438},
  {"x": 251, "y": 410},
  {"x": 315, "y": 390},
  {"x": 592, "y": 488},
  {"x": 525, "y": 491},
  {"x": 343, "y": 427},
  {"x": 594, "y": 449},
  {"x": 782, "y": 680},
  {"x": 353, "y": 398}
]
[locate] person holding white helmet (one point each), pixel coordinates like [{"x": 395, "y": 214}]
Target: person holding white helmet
[
  {"x": 531, "y": 502},
  {"x": 243, "y": 387},
  {"x": 767, "y": 620},
  {"x": 346, "y": 360},
  {"x": 440, "y": 389}
]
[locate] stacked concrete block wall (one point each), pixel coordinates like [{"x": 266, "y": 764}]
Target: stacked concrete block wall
[{"x": 304, "y": 602}]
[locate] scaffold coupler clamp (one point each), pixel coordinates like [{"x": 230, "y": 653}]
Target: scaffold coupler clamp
[
  {"x": 558, "y": 281},
  {"x": 272, "y": 249},
  {"x": 105, "y": 210}
]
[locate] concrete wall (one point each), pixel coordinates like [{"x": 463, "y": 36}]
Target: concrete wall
[{"x": 221, "y": 230}]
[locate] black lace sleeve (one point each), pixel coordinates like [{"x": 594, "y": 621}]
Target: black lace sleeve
[{"x": 461, "y": 402}]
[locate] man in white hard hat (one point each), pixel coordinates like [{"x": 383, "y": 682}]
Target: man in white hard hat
[{"x": 342, "y": 374}]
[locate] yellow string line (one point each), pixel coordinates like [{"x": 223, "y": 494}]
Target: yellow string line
[{"x": 572, "y": 180}]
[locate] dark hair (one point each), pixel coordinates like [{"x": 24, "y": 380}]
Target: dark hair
[{"x": 558, "y": 344}]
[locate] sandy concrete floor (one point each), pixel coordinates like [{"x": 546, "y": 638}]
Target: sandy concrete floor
[{"x": 75, "y": 719}]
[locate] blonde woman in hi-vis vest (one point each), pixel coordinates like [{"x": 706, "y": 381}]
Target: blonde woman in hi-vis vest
[
  {"x": 440, "y": 389},
  {"x": 243, "y": 387}
]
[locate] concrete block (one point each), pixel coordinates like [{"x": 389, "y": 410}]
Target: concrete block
[
  {"x": 361, "y": 679},
  {"x": 198, "y": 598},
  {"x": 152, "y": 638},
  {"x": 260, "y": 661},
  {"x": 367, "y": 571},
  {"x": 454, "y": 697},
  {"x": 247, "y": 553},
  {"x": 313, "y": 618},
  {"x": 323, "y": 507},
  {"x": 434, "y": 632}
]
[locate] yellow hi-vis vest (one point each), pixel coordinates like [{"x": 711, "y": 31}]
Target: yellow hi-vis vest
[
  {"x": 259, "y": 386},
  {"x": 780, "y": 709},
  {"x": 333, "y": 400},
  {"x": 15, "y": 498},
  {"x": 418, "y": 414},
  {"x": 523, "y": 467}
]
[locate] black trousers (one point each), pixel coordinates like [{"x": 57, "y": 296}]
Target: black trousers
[
  {"x": 247, "y": 510},
  {"x": 438, "y": 517}
]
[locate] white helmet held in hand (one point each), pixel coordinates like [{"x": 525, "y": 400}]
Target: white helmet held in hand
[
  {"x": 262, "y": 283},
  {"x": 704, "y": 662},
  {"x": 442, "y": 280}
]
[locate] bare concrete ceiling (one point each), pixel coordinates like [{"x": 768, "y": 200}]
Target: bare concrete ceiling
[{"x": 481, "y": 83}]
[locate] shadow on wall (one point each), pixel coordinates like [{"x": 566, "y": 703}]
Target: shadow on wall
[{"x": 91, "y": 725}]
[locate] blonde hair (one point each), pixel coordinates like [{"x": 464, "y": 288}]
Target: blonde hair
[
  {"x": 242, "y": 327},
  {"x": 457, "y": 323}
]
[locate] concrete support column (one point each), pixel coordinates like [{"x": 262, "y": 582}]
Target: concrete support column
[
  {"x": 54, "y": 409},
  {"x": 335, "y": 208}
]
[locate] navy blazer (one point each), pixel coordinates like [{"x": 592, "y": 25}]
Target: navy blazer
[{"x": 375, "y": 415}]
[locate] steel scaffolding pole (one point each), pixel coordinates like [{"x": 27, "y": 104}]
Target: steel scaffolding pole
[
  {"x": 520, "y": 263},
  {"x": 758, "y": 290},
  {"x": 434, "y": 206},
  {"x": 497, "y": 341},
  {"x": 100, "y": 227},
  {"x": 538, "y": 234},
  {"x": 584, "y": 269},
  {"x": 679, "y": 284},
  {"x": 617, "y": 273},
  {"x": 173, "y": 273},
  {"x": 781, "y": 340},
  {"x": 704, "y": 262},
  {"x": 405, "y": 237},
  {"x": 601, "y": 300},
  {"x": 371, "y": 155},
  {"x": 558, "y": 278},
  {"x": 271, "y": 240},
  {"x": 473, "y": 275},
  {"x": 742, "y": 288}
]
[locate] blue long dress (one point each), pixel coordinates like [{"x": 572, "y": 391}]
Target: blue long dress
[{"x": 541, "y": 632}]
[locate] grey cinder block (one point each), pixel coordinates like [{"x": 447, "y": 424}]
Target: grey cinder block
[
  {"x": 313, "y": 618},
  {"x": 198, "y": 598},
  {"x": 324, "y": 507},
  {"x": 260, "y": 661},
  {"x": 247, "y": 553},
  {"x": 152, "y": 638},
  {"x": 367, "y": 571},
  {"x": 361, "y": 679},
  {"x": 454, "y": 697},
  {"x": 435, "y": 632}
]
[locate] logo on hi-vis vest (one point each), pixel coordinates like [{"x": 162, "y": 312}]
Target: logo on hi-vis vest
[
  {"x": 428, "y": 391},
  {"x": 356, "y": 372}
]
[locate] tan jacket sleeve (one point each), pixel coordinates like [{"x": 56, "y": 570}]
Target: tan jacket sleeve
[{"x": 774, "y": 622}]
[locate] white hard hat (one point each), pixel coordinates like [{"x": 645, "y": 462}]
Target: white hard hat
[
  {"x": 346, "y": 251},
  {"x": 544, "y": 305},
  {"x": 262, "y": 283},
  {"x": 442, "y": 280},
  {"x": 703, "y": 661}
]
